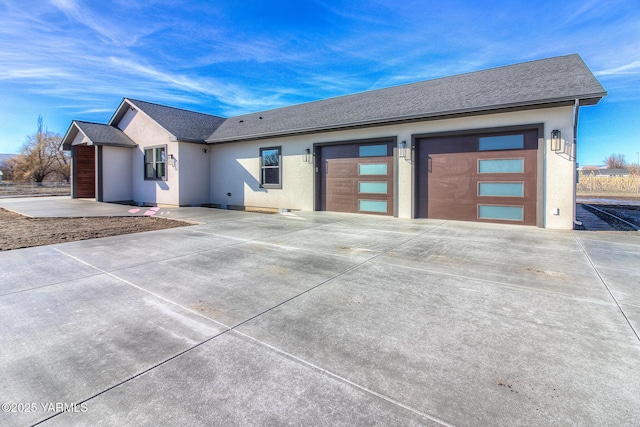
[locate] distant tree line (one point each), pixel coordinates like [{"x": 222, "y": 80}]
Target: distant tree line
[{"x": 40, "y": 159}]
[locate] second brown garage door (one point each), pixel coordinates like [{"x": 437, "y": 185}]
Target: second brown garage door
[
  {"x": 356, "y": 178},
  {"x": 484, "y": 177}
]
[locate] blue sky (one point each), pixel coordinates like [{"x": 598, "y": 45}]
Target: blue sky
[{"x": 77, "y": 59}]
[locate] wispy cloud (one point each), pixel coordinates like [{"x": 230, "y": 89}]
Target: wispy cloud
[
  {"x": 630, "y": 68},
  {"x": 116, "y": 32}
]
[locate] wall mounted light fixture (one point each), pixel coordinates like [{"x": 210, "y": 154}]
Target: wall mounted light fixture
[
  {"x": 204, "y": 150},
  {"x": 307, "y": 156},
  {"x": 171, "y": 160},
  {"x": 402, "y": 149},
  {"x": 556, "y": 140}
]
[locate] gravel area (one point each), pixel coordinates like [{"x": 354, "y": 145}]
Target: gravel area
[{"x": 18, "y": 231}]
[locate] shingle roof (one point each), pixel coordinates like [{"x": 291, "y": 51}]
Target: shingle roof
[
  {"x": 183, "y": 124},
  {"x": 101, "y": 134},
  {"x": 98, "y": 134},
  {"x": 548, "y": 81}
]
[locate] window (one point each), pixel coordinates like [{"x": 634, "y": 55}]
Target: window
[
  {"x": 155, "y": 163},
  {"x": 270, "y": 170}
]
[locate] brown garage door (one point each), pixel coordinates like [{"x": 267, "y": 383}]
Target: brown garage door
[
  {"x": 356, "y": 178},
  {"x": 489, "y": 178},
  {"x": 85, "y": 173}
]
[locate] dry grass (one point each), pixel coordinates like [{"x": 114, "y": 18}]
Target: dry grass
[{"x": 616, "y": 186}]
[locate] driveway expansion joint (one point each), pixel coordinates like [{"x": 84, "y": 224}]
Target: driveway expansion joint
[{"x": 607, "y": 287}]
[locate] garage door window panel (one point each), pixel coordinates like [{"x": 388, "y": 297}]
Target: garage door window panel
[
  {"x": 372, "y": 169},
  {"x": 501, "y": 166},
  {"x": 372, "y": 150},
  {"x": 501, "y": 189},
  {"x": 377, "y": 206},
  {"x": 373, "y": 187},
  {"x": 502, "y": 142},
  {"x": 505, "y": 213},
  {"x": 270, "y": 167}
]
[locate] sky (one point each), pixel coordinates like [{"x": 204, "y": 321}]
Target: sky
[{"x": 77, "y": 59}]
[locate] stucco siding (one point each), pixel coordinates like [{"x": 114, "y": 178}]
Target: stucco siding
[
  {"x": 235, "y": 167},
  {"x": 116, "y": 174},
  {"x": 192, "y": 163},
  {"x": 147, "y": 133}
]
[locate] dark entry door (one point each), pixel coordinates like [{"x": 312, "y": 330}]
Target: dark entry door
[
  {"x": 85, "y": 171},
  {"x": 356, "y": 178}
]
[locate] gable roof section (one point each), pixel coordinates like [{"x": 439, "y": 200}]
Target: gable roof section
[
  {"x": 547, "y": 82},
  {"x": 183, "y": 125},
  {"x": 98, "y": 134}
]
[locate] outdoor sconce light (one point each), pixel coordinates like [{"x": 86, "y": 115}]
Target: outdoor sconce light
[
  {"x": 172, "y": 160},
  {"x": 556, "y": 140},
  {"x": 307, "y": 156},
  {"x": 402, "y": 149},
  {"x": 204, "y": 150}
]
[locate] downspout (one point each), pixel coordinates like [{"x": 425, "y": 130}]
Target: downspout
[{"x": 576, "y": 109}]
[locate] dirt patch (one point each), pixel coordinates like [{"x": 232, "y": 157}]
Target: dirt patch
[{"x": 17, "y": 231}]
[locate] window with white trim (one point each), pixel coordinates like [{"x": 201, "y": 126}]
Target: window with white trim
[
  {"x": 271, "y": 167},
  {"x": 155, "y": 161}
]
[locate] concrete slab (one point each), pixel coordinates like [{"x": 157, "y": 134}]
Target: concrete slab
[
  {"x": 64, "y": 206},
  {"x": 607, "y": 253},
  {"x": 236, "y": 283},
  {"x": 555, "y": 267},
  {"x": 344, "y": 240},
  {"x": 255, "y": 226},
  {"x": 38, "y": 267},
  {"x": 467, "y": 353},
  {"x": 343, "y": 319},
  {"x": 118, "y": 252},
  {"x": 236, "y": 381},
  {"x": 70, "y": 341},
  {"x": 632, "y": 313}
]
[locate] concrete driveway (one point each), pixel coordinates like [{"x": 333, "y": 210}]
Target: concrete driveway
[{"x": 320, "y": 319}]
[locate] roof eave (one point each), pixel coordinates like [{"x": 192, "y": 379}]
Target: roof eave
[
  {"x": 589, "y": 99},
  {"x": 66, "y": 146},
  {"x": 188, "y": 140}
]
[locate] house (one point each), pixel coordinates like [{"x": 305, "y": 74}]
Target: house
[
  {"x": 497, "y": 145},
  {"x": 605, "y": 172}
]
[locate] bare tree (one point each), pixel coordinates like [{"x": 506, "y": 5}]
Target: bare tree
[
  {"x": 40, "y": 157},
  {"x": 7, "y": 170},
  {"x": 615, "y": 161}
]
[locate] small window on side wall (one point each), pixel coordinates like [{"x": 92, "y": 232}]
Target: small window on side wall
[
  {"x": 270, "y": 167},
  {"x": 155, "y": 163}
]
